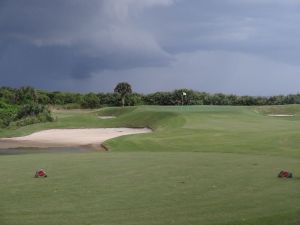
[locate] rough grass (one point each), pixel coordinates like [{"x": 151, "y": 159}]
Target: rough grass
[
  {"x": 281, "y": 109},
  {"x": 210, "y": 165}
]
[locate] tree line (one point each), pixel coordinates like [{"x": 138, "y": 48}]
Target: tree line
[
  {"x": 192, "y": 97},
  {"x": 29, "y": 95}
]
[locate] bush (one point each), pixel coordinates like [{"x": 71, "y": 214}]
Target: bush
[
  {"x": 8, "y": 114},
  {"x": 23, "y": 115},
  {"x": 42, "y": 117},
  {"x": 31, "y": 110}
]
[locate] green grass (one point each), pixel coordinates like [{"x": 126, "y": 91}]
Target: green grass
[
  {"x": 148, "y": 188},
  {"x": 208, "y": 165},
  {"x": 212, "y": 129}
]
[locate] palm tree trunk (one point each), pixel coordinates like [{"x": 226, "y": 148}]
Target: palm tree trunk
[{"x": 123, "y": 101}]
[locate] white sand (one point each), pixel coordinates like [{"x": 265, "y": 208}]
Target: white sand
[
  {"x": 281, "y": 115},
  {"x": 106, "y": 117},
  {"x": 68, "y": 137}
]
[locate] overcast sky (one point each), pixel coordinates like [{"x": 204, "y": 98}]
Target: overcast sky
[{"x": 231, "y": 46}]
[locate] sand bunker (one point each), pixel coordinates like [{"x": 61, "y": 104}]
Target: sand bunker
[
  {"x": 281, "y": 115},
  {"x": 68, "y": 137},
  {"x": 106, "y": 117}
]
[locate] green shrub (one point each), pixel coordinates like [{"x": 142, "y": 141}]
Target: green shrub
[
  {"x": 12, "y": 115},
  {"x": 8, "y": 114}
]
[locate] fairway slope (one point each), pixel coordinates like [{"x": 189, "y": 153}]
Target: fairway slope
[{"x": 230, "y": 129}]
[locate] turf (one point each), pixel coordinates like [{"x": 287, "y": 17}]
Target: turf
[
  {"x": 148, "y": 188},
  {"x": 213, "y": 165},
  {"x": 214, "y": 129}
]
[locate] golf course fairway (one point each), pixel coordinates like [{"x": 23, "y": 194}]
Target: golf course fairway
[{"x": 201, "y": 165}]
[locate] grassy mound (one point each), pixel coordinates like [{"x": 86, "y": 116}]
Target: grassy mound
[{"x": 211, "y": 129}]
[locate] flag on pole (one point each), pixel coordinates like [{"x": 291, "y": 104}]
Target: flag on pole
[{"x": 183, "y": 93}]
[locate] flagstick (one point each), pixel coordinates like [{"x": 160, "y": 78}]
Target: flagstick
[{"x": 182, "y": 97}]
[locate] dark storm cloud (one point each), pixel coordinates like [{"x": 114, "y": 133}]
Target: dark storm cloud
[
  {"x": 63, "y": 38},
  {"x": 155, "y": 44}
]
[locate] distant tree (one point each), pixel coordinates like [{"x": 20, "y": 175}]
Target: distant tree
[
  {"x": 7, "y": 94},
  {"x": 109, "y": 99},
  {"x": 42, "y": 97},
  {"x": 123, "y": 89},
  {"x": 134, "y": 99},
  {"x": 25, "y": 95},
  {"x": 91, "y": 101}
]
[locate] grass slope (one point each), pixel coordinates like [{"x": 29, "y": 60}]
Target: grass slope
[
  {"x": 214, "y": 129},
  {"x": 210, "y": 165}
]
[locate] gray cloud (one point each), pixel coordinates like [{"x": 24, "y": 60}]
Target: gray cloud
[
  {"x": 268, "y": 28},
  {"x": 211, "y": 71},
  {"x": 75, "y": 37},
  {"x": 235, "y": 46}
]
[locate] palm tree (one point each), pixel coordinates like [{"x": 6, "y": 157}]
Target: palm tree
[{"x": 123, "y": 89}]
